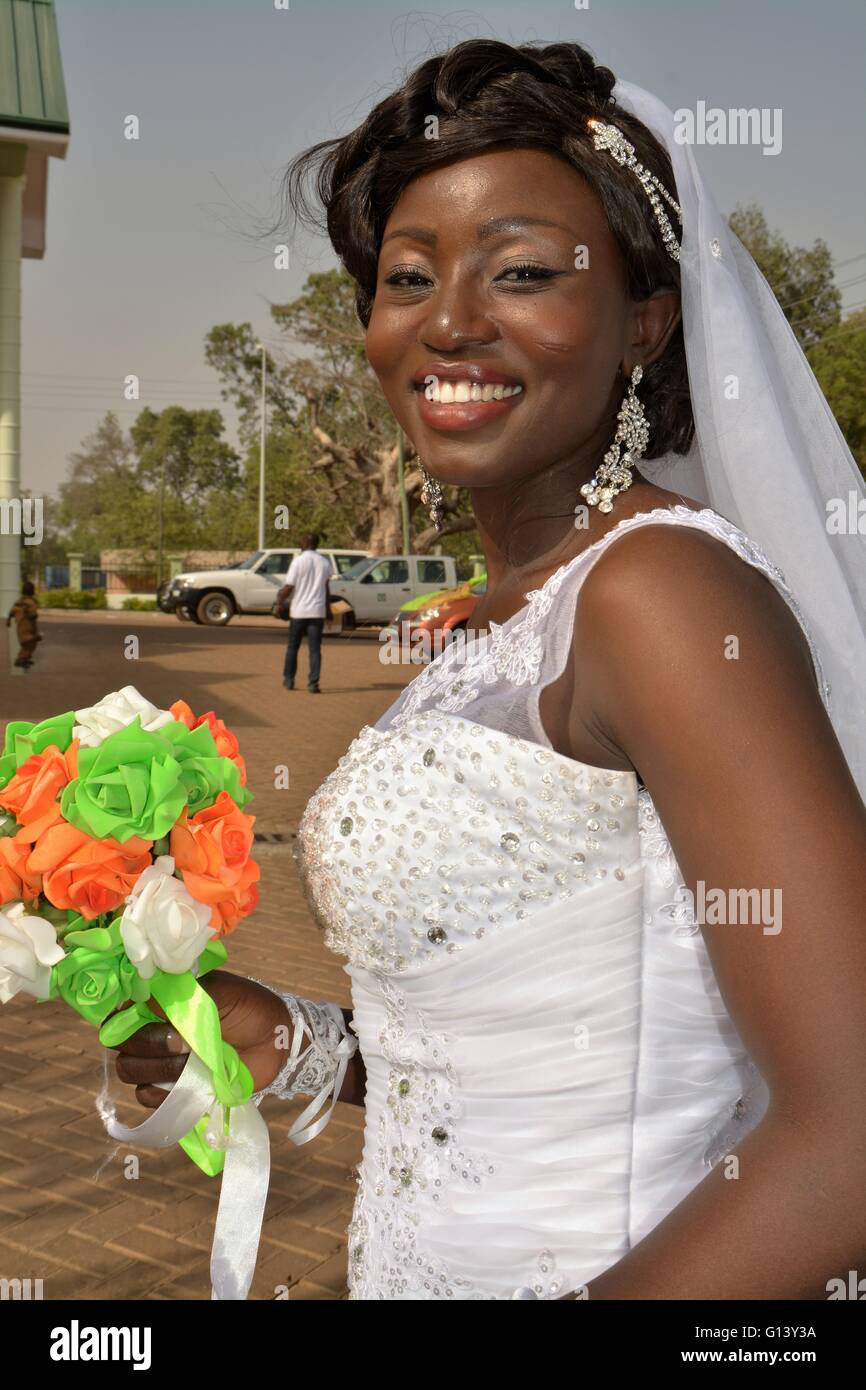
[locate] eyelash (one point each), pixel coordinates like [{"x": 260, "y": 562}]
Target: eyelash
[{"x": 540, "y": 272}]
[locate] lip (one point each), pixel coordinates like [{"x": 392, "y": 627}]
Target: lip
[{"x": 463, "y": 415}]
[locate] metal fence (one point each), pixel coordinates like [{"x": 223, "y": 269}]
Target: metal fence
[{"x": 114, "y": 581}]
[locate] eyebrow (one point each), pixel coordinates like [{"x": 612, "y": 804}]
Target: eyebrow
[{"x": 494, "y": 226}]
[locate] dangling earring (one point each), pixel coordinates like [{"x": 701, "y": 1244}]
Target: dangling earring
[
  {"x": 431, "y": 496},
  {"x": 613, "y": 476}
]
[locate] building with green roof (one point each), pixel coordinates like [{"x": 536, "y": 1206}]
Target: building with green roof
[{"x": 34, "y": 127}]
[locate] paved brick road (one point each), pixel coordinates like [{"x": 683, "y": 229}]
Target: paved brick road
[{"x": 85, "y": 1229}]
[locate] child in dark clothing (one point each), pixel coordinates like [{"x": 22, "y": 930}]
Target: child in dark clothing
[{"x": 25, "y": 611}]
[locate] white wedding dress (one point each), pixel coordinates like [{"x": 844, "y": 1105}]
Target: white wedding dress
[{"x": 550, "y": 1066}]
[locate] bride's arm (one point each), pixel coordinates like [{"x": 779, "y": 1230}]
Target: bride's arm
[{"x": 752, "y": 787}]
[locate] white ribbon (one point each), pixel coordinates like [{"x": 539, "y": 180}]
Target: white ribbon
[
  {"x": 245, "y": 1175},
  {"x": 298, "y": 1135}
]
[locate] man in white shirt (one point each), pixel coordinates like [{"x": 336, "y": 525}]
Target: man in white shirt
[{"x": 309, "y": 605}]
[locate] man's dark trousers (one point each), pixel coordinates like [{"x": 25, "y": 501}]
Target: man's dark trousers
[{"x": 299, "y": 628}]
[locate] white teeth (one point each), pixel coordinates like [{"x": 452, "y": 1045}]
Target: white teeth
[{"x": 451, "y": 392}]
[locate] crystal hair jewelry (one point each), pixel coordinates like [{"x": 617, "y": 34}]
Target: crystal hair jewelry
[
  {"x": 431, "y": 496},
  {"x": 613, "y": 475},
  {"x": 608, "y": 137},
  {"x": 319, "y": 1069}
]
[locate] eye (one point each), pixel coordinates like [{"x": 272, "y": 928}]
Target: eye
[
  {"x": 402, "y": 275},
  {"x": 527, "y": 272}
]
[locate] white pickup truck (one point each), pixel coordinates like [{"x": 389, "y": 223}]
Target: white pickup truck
[
  {"x": 215, "y": 596},
  {"x": 375, "y": 589}
]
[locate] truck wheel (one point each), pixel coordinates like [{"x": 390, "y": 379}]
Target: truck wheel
[
  {"x": 349, "y": 624},
  {"x": 215, "y": 609}
]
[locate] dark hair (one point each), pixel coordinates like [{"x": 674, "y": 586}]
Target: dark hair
[
  {"x": 484, "y": 94},
  {"x": 310, "y": 540},
  {"x": 28, "y": 588}
]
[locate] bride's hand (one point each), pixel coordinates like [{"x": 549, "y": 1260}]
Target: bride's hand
[{"x": 249, "y": 1017}]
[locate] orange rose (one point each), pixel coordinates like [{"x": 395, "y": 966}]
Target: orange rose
[
  {"x": 31, "y": 795},
  {"x": 230, "y": 899},
  {"x": 216, "y": 842},
  {"x": 212, "y": 851},
  {"x": 239, "y": 902},
  {"x": 18, "y": 880},
  {"x": 86, "y": 875},
  {"x": 181, "y": 711},
  {"x": 226, "y": 742}
]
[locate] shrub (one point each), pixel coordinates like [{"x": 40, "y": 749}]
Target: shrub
[{"x": 71, "y": 598}]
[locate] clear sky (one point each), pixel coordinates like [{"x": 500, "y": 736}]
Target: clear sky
[{"x": 145, "y": 246}]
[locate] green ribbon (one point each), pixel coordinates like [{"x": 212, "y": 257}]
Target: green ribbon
[{"x": 196, "y": 1017}]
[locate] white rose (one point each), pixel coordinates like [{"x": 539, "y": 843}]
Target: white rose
[
  {"x": 116, "y": 711},
  {"x": 28, "y": 949},
  {"x": 163, "y": 926}
]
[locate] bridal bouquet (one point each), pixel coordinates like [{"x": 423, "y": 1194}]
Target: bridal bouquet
[{"x": 125, "y": 860}]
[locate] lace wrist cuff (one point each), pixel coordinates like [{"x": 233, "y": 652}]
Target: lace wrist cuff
[{"x": 317, "y": 1069}]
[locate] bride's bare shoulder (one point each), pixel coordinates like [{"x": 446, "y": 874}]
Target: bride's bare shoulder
[{"x": 674, "y": 591}]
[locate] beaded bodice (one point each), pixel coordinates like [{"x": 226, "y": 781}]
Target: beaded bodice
[
  {"x": 550, "y": 1066},
  {"x": 438, "y": 831}
]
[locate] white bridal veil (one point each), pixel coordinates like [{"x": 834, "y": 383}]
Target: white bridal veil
[{"x": 767, "y": 453}]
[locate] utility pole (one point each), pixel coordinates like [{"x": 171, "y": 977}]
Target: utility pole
[
  {"x": 161, "y": 520},
  {"x": 261, "y": 545},
  {"x": 401, "y": 479}
]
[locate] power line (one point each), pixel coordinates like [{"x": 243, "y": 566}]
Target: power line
[
  {"x": 806, "y": 297},
  {"x": 91, "y": 376},
  {"x": 850, "y": 260},
  {"x": 794, "y": 323},
  {"x": 93, "y": 409},
  {"x": 831, "y": 342}
]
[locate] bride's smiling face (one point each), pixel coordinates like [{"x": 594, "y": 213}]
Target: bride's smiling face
[{"x": 483, "y": 285}]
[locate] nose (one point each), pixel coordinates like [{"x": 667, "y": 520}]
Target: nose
[{"x": 456, "y": 316}]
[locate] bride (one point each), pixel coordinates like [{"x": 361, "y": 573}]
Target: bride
[{"x": 578, "y": 1083}]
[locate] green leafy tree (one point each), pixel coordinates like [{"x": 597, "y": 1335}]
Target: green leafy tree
[
  {"x": 97, "y": 501},
  {"x": 111, "y": 496},
  {"x": 182, "y": 462},
  {"x": 839, "y": 363},
  {"x": 801, "y": 278}
]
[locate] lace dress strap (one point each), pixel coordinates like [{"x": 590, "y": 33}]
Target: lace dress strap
[
  {"x": 560, "y": 624},
  {"x": 496, "y": 680}
]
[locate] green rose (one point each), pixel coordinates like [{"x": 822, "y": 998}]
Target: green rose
[
  {"x": 23, "y": 739},
  {"x": 130, "y": 784},
  {"x": 97, "y": 979},
  {"x": 203, "y": 771}
]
